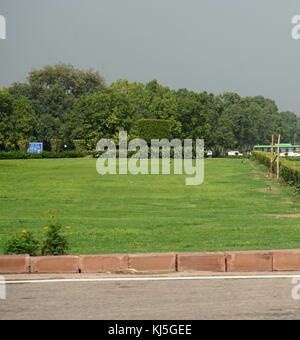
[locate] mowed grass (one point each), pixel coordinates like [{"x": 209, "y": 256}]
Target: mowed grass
[{"x": 130, "y": 214}]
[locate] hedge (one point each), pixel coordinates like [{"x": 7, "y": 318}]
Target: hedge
[
  {"x": 154, "y": 129},
  {"x": 289, "y": 170},
  {"x": 56, "y": 145},
  {"x": 23, "y": 145},
  {"x": 79, "y": 145},
  {"x": 44, "y": 154}
]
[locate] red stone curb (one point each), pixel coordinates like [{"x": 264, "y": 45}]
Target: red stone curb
[
  {"x": 54, "y": 264},
  {"x": 15, "y": 264},
  {"x": 247, "y": 261},
  {"x": 251, "y": 261},
  {"x": 206, "y": 262},
  {"x": 103, "y": 263},
  {"x": 152, "y": 262},
  {"x": 286, "y": 260}
]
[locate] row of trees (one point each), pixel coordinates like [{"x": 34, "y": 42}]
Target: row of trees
[{"x": 61, "y": 102}]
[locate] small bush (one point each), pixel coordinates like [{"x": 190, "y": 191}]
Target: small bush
[
  {"x": 71, "y": 154},
  {"x": 13, "y": 155},
  {"x": 56, "y": 145},
  {"x": 23, "y": 145},
  {"x": 79, "y": 145},
  {"x": 21, "y": 244},
  {"x": 56, "y": 242}
]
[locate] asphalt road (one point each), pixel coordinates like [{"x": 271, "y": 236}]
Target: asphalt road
[{"x": 152, "y": 300}]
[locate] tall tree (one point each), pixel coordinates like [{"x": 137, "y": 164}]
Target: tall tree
[
  {"x": 7, "y": 131},
  {"x": 101, "y": 115},
  {"x": 24, "y": 119}
]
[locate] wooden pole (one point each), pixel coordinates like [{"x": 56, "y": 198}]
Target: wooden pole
[
  {"x": 278, "y": 157},
  {"x": 272, "y": 155}
]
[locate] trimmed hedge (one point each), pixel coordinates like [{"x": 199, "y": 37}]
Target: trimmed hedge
[
  {"x": 23, "y": 145},
  {"x": 289, "y": 170},
  {"x": 293, "y": 159},
  {"x": 79, "y": 145},
  {"x": 44, "y": 154},
  {"x": 56, "y": 145},
  {"x": 234, "y": 157},
  {"x": 154, "y": 129}
]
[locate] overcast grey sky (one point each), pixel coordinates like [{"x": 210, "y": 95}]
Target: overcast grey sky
[{"x": 213, "y": 45}]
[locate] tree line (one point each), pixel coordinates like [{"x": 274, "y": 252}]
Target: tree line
[{"x": 63, "y": 103}]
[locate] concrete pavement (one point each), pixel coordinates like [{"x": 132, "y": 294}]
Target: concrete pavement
[{"x": 173, "y": 297}]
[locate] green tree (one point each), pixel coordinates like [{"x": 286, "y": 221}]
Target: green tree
[
  {"x": 8, "y": 137},
  {"x": 288, "y": 127},
  {"x": 24, "y": 119},
  {"x": 194, "y": 114},
  {"x": 67, "y": 77},
  {"x": 53, "y": 91},
  {"x": 224, "y": 135},
  {"x": 101, "y": 115}
]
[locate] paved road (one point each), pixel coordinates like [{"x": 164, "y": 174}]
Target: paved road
[{"x": 157, "y": 300}]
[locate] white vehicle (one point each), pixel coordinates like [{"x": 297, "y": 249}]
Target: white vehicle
[
  {"x": 289, "y": 154},
  {"x": 235, "y": 153},
  {"x": 209, "y": 153}
]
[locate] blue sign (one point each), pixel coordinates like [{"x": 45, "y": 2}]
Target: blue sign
[{"x": 35, "y": 147}]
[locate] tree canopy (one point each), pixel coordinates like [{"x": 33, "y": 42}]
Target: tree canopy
[{"x": 62, "y": 102}]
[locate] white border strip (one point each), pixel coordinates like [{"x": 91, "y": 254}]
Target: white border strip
[{"x": 179, "y": 278}]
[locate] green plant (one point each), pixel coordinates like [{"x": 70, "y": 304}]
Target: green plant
[
  {"x": 79, "y": 145},
  {"x": 56, "y": 242},
  {"x": 22, "y": 243},
  {"x": 23, "y": 145},
  {"x": 289, "y": 170},
  {"x": 56, "y": 145},
  {"x": 148, "y": 129},
  {"x": 44, "y": 154}
]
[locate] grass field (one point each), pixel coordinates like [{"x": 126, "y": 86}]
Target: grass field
[{"x": 117, "y": 214}]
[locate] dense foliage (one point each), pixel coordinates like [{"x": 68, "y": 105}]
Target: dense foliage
[
  {"x": 148, "y": 129},
  {"x": 22, "y": 244},
  {"x": 44, "y": 154},
  {"x": 56, "y": 145},
  {"x": 56, "y": 242},
  {"x": 289, "y": 170},
  {"x": 64, "y": 104}
]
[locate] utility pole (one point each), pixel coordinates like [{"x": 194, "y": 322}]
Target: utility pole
[
  {"x": 278, "y": 157},
  {"x": 272, "y": 155}
]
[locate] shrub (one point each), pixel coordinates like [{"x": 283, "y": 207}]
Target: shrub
[
  {"x": 21, "y": 244},
  {"x": 56, "y": 145},
  {"x": 71, "y": 154},
  {"x": 44, "y": 154},
  {"x": 289, "y": 170},
  {"x": 148, "y": 129},
  {"x": 13, "y": 155},
  {"x": 79, "y": 145},
  {"x": 23, "y": 145},
  {"x": 56, "y": 242},
  {"x": 97, "y": 154}
]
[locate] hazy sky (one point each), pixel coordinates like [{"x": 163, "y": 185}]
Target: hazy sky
[{"x": 213, "y": 45}]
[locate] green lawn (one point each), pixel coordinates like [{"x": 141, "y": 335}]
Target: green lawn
[{"x": 117, "y": 214}]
